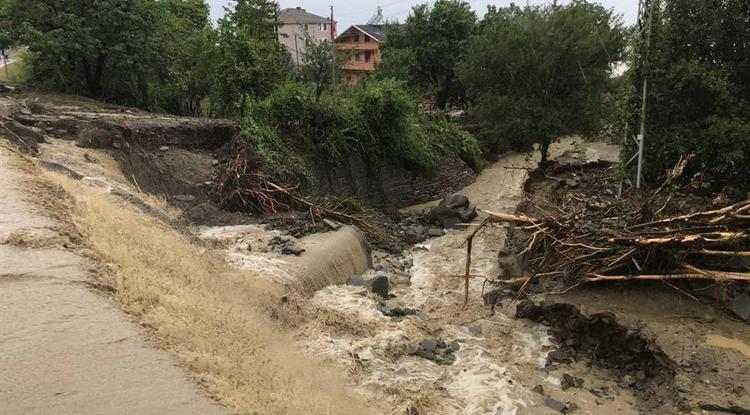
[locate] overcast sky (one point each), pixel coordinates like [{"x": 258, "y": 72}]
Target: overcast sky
[{"x": 348, "y": 12}]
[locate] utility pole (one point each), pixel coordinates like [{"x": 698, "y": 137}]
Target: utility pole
[{"x": 644, "y": 26}]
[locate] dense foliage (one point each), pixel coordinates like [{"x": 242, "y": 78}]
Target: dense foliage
[
  {"x": 699, "y": 92},
  {"x": 296, "y": 130},
  {"x": 131, "y": 51},
  {"x": 425, "y": 50},
  {"x": 539, "y": 72},
  {"x": 161, "y": 55},
  {"x": 251, "y": 62}
]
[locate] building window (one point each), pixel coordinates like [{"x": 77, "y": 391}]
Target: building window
[
  {"x": 306, "y": 27},
  {"x": 356, "y": 56},
  {"x": 356, "y": 38},
  {"x": 367, "y": 56},
  {"x": 367, "y": 39},
  {"x": 323, "y": 27}
]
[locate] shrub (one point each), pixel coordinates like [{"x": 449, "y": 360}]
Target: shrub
[{"x": 293, "y": 130}]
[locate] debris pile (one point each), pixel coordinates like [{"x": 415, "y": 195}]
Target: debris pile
[
  {"x": 582, "y": 239},
  {"x": 245, "y": 185}
]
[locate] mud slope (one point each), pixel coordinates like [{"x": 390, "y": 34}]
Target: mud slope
[
  {"x": 64, "y": 348},
  {"x": 215, "y": 319}
]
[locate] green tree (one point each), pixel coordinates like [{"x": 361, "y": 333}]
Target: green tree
[
  {"x": 699, "y": 92},
  {"x": 100, "y": 48},
  {"x": 425, "y": 51},
  {"x": 317, "y": 65},
  {"x": 192, "y": 55},
  {"x": 251, "y": 60},
  {"x": 538, "y": 73}
]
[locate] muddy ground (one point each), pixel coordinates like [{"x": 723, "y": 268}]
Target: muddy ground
[{"x": 263, "y": 314}]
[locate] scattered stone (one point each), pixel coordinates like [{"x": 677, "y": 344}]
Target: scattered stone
[
  {"x": 569, "y": 381},
  {"x": 395, "y": 308},
  {"x": 379, "y": 285},
  {"x": 407, "y": 263},
  {"x": 214, "y": 162},
  {"x": 400, "y": 278},
  {"x": 539, "y": 389},
  {"x": 628, "y": 380},
  {"x": 284, "y": 246},
  {"x": 560, "y": 356},
  {"x": 601, "y": 392},
  {"x": 454, "y": 201},
  {"x": 116, "y": 145},
  {"x": 436, "y": 350},
  {"x": 730, "y": 407},
  {"x": 452, "y": 210},
  {"x": 475, "y": 330},
  {"x": 290, "y": 249},
  {"x": 492, "y": 298},
  {"x": 571, "y": 183},
  {"x": 88, "y": 158},
  {"x": 554, "y": 404},
  {"x": 431, "y": 344},
  {"x": 740, "y": 305},
  {"x": 163, "y": 148},
  {"x": 332, "y": 224},
  {"x": 435, "y": 232}
]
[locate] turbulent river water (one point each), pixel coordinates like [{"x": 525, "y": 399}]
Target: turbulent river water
[{"x": 327, "y": 348}]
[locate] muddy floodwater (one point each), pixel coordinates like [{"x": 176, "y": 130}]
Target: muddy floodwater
[{"x": 230, "y": 315}]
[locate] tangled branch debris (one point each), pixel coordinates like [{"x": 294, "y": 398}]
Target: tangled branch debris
[
  {"x": 244, "y": 185},
  {"x": 587, "y": 241}
]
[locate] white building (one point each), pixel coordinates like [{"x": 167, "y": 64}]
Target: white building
[{"x": 296, "y": 25}]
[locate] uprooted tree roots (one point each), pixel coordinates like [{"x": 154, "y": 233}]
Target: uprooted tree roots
[
  {"x": 586, "y": 245},
  {"x": 244, "y": 185}
]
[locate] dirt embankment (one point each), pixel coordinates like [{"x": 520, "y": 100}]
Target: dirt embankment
[{"x": 224, "y": 324}]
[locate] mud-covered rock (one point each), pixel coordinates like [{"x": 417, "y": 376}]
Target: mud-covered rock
[
  {"x": 740, "y": 305},
  {"x": 436, "y": 350},
  {"x": 379, "y": 285},
  {"x": 395, "y": 308},
  {"x": 569, "y": 381},
  {"x": 451, "y": 211}
]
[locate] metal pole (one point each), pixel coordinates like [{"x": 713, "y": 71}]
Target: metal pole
[{"x": 644, "y": 97}]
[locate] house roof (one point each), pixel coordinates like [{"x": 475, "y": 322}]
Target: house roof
[
  {"x": 298, "y": 15},
  {"x": 376, "y": 32}
]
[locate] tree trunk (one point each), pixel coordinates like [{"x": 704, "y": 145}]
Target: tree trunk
[
  {"x": 243, "y": 102},
  {"x": 544, "y": 149}
]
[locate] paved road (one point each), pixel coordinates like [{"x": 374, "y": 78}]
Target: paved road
[{"x": 63, "y": 348}]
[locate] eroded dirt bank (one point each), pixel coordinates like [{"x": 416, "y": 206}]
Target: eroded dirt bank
[{"x": 269, "y": 323}]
